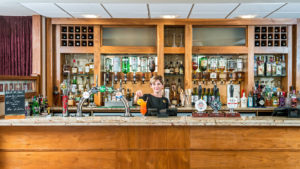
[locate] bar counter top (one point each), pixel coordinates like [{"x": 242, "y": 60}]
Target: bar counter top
[{"x": 152, "y": 121}]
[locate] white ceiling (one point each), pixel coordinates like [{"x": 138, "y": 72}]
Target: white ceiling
[{"x": 151, "y": 8}]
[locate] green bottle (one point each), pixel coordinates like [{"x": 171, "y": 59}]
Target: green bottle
[
  {"x": 203, "y": 64},
  {"x": 125, "y": 65}
]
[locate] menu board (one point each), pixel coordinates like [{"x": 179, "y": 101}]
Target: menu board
[{"x": 14, "y": 102}]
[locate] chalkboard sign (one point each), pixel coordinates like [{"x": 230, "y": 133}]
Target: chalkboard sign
[{"x": 15, "y": 102}]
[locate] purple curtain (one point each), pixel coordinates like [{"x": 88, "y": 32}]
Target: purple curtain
[{"x": 16, "y": 45}]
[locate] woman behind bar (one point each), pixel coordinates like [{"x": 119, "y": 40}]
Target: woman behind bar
[{"x": 155, "y": 99}]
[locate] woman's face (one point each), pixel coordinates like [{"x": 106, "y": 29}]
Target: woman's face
[{"x": 157, "y": 86}]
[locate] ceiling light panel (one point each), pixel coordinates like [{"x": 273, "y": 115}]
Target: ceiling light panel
[
  {"x": 284, "y": 15},
  {"x": 79, "y": 10},
  {"x": 47, "y": 9},
  {"x": 128, "y": 10},
  {"x": 212, "y": 10},
  {"x": 290, "y": 8},
  {"x": 181, "y": 10},
  {"x": 258, "y": 9}
]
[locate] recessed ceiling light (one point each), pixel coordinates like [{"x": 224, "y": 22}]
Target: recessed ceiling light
[
  {"x": 169, "y": 16},
  {"x": 247, "y": 16},
  {"x": 90, "y": 16}
]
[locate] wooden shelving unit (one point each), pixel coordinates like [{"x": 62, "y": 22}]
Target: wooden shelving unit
[{"x": 162, "y": 47}]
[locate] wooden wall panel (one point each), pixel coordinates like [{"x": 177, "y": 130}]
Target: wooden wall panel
[
  {"x": 97, "y": 62},
  {"x": 128, "y": 49},
  {"x": 244, "y": 159},
  {"x": 160, "y": 49},
  {"x": 49, "y": 60},
  {"x": 220, "y": 50},
  {"x": 249, "y": 75},
  {"x": 58, "y": 160},
  {"x": 297, "y": 55},
  {"x": 245, "y": 138},
  {"x": 188, "y": 84},
  {"x": 37, "y": 44},
  {"x": 62, "y": 138}
]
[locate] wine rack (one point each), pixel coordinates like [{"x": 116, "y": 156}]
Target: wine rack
[
  {"x": 270, "y": 36},
  {"x": 76, "y": 36}
]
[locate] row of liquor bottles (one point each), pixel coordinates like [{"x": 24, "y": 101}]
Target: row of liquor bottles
[
  {"x": 269, "y": 65},
  {"x": 37, "y": 106},
  {"x": 265, "y": 96},
  {"x": 201, "y": 63},
  {"x": 78, "y": 66},
  {"x": 174, "y": 68}
]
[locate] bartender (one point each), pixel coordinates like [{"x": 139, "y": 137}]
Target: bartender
[{"x": 155, "y": 99}]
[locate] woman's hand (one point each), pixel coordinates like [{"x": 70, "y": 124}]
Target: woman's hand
[{"x": 138, "y": 94}]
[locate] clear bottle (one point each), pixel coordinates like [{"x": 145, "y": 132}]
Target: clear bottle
[
  {"x": 74, "y": 67},
  {"x": 250, "y": 100},
  {"x": 239, "y": 65},
  {"x": 231, "y": 64},
  {"x": 80, "y": 68},
  {"x": 144, "y": 61},
  {"x": 176, "y": 70},
  {"x": 87, "y": 68},
  {"x": 283, "y": 65},
  {"x": 255, "y": 65},
  {"x": 67, "y": 68},
  {"x": 222, "y": 64},
  {"x": 269, "y": 66},
  {"x": 261, "y": 66},
  {"x": 181, "y": 69},
  {"x": 278, "y": 67},
  {"x": 92, "y": 66},
  {"x": 244, "y": 101},
  {"x": 213, "y": 64}
]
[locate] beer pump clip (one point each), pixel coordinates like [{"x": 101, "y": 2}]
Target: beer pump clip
[
  {"x": 232, "y": 102},
  {"x": 200, "y": 104}
]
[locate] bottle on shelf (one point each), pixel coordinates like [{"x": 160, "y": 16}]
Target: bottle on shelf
[
  {"x": 171, "y": 68},
  {"x": 283, "y": 65},
  {"x": 203, "y": 64},
  {"x": 250, "y": 100},
  {"x": 269, "y": 66},
  {"x": 239, "y": 65},
  {"x": 222, "y": 64},
  {"x": 74, "y": 67},
  {"x": 166, "y": 69},
  {"x": 243, "y": 100},
  {"x": 181, "y": 69},
  {"x": 91, "y": 66},
  {"x": 80, "y": 68},
  {"x": 176, "y": 70}
]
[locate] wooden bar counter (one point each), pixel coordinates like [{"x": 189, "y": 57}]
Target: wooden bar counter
[{"x": 150, "y": 142}]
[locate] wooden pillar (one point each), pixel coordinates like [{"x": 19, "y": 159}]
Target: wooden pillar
[
  {"x": 58, "y": 64},
  {"x": 289, "y": 61},
  {"x": 160, "y": 49},
  {"x": 188, "y": 56},
  {"x": 37, "y": 48},
  {"x": 249, "y": 75},
  {"x": 97, "y": 62},
  {"x": 49, "y": 58},
  {"x": 296, "y": 54}
]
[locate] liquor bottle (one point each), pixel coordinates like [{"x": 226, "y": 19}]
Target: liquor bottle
[
  {"x": 278, "y": 67},
  {"x": 181, "y": 69},
  {"x": 80, "y": 68},
  {"x": 255, "y": 99},
  {"x": 194, "y": 96},
  {"x": 167, "y": 90},
  {"x": 244, "y": 101},
  {"x": 176, "y": 70},
  {"x": 293, "y": 99},
  {"x": 231, "y": 64},
  {"x": 255, "y": 65},
  {"x": 199, "y": 92},
  {"x": 208, "y": 96},
  {"x": 281, "y": 99},
  {"x": 283, "y": 65},
  {"x": 152, "y": 65},
  {"x": 71, "y": 99},
  {"x": 173, "y": 94},
  {"x": 275, "y": 101},
  {"x": 213, "y": 64},
  {"x": 261, "y": 66},
  {"x": 166, "y": 69},
  {"x": 239, "y": 65},
  {"x": 222, "y": 64},
  {"x": 194, "y": 64},
  {"x": 77, "y": 29},
  {"x": 74, "y": 85},
  {"x": 171, "y": 68},
  {"x": 273, "y": 66},
  {"x": 250, "y": 100},
  {"x": 203, "y": 64},
  {"x": 92, "y": 66},
  {"x": 204, "y": 95},
  {"x": 269, "y": 66},
  {"x": 74, "y": 67},
  {"x": 87, "y": 68},
  {"x": 66, "y": 67},
  {"x": 144, "y": 61},
  {"x": 77, "y": 97},
  {"x": 261, "y": 100}
]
